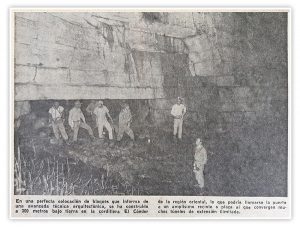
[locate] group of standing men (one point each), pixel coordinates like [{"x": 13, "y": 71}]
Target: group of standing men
[
  {"x": 102, "y": 119},
  {"x": 100, "y": 115}
]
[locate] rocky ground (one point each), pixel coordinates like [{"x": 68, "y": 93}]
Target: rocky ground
[
  {"x": 154, "y": 167},
  {"x": 242, "y": 161}
]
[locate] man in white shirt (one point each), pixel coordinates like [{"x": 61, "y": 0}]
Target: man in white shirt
[
  {"x": 102, "y": 113},
  {"x": 77, "y": 120},
  {"x": 56, "y": 118},
  {"x": 178, "y": 111},
  {"x": 200, "y": 159}
]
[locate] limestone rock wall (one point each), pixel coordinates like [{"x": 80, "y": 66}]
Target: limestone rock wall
[
  {"x": 92, "y": 55},
  {"x": 235, "y": 70},
  {"x": 240, "y": 61},
  {"x": 227, "y": 66}
]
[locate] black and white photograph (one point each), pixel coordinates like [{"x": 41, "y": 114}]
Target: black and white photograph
[{"x": 150, "y": 103}]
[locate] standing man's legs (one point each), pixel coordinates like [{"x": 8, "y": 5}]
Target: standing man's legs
[
  {"x": 129, "y": 132},
  {"x": 180, "y": 122},
  {"x": 109, "y": 129},
  {"x": 55, "y": 130},
  {"x": 75, "y": 130},
  {"x": 199, "y": 175},
  {"x": 176, "y": 124},
  {"x": 95, "y": 121},
  {"x": 120, "y": 132},
  {"x": 87, "y": 127},
  {"x": 63, "y": 131},
  {"x": 100, "y": 129}
]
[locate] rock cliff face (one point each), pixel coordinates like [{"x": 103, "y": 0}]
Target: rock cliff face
[
  {"x": 94, "y": 55},
  {"x": 231, "y": 69},
  {"x": 233, "y": 63}
]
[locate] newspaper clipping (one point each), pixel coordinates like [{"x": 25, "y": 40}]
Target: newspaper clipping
[{"x": 150, "y": 113}]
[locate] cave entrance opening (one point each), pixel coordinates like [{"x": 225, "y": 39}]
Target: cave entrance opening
[{"x": 36, "y": 121}]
